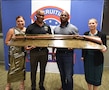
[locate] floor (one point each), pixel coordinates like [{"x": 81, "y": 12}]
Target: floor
[{"x": 52, "y": 81}]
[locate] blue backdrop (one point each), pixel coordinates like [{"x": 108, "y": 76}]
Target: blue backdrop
[{"x": 80, "y": 11}]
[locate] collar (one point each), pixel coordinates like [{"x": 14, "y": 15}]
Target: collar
[
  {"x": 65, "y": 25},
  {"x": 38, "y": 24},
  {"x": 94, "y": 33}
]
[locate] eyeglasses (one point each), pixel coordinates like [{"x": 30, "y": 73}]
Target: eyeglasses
[{"x": 64, "y": 15}]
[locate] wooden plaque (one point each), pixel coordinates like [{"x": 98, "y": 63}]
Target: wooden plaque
[{"x": 60, "y": 41}]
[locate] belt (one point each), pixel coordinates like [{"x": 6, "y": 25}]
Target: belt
[
  {"x": 62, "y": 51},
  {"x": 39, "y": 49}
]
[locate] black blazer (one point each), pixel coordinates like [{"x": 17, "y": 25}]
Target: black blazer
[{"x": 98, "y": 55}]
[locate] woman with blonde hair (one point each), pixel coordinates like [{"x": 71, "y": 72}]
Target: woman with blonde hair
[{"x": 93, "y": 58}]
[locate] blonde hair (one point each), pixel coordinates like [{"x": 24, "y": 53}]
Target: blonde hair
[{"x": 93, "y": 19}]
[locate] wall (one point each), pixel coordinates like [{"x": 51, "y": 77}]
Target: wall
[
  {"x": 1, "y": 49},
  {"x": 80, "y": 11},
  {"x": 106, "y": 55}
]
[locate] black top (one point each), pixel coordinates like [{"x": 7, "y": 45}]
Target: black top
[
  {"x": 98, "y": 55},
  {"x": 36, "y": 29}
]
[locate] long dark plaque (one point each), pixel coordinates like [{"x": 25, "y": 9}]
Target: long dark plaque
[{"x": 62, "y": 41}]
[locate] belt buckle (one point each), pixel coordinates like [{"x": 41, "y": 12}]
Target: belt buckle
[{"x": 39, "y": 50}]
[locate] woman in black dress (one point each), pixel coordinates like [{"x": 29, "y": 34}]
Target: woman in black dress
[{"x": 93, "y": 58}]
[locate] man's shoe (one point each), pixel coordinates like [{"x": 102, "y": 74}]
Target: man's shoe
[
  {"x": 42, "y": 88},
  {"x": 33, "y": 88}
]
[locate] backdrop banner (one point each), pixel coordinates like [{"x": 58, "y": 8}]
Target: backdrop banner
[{"x": 80, "y": 12}]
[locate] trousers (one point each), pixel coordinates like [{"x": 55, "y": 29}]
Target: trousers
[
  {"x": 38, "y": 56},
  {"x": 65, "y": 65}
]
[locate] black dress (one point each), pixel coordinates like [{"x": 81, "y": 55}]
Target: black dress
[{"x": 93, "y": 62}]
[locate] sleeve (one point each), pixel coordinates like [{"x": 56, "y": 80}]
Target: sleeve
[
  {"x": 84, "y": 51},
  {"x": 27, "y": 30},
  {"x": 104, "y": 40},
  {"x": 75, "y": 30},
  {"x": 54, "y": 30},
  {"x": 49, "y": 30}
]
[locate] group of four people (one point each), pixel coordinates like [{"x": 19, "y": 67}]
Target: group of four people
[{"x": 93, "y": 59}]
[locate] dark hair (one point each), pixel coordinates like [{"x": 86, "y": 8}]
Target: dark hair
[
  {"x": 20, "y": 17},
  {"x": 39, "y": 11}
]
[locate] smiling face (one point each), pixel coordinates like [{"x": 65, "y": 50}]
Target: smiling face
[
  {"x": 40, "y": 16},
  {"x": 92, "y": 24},
  {"x": 64, "y": 17},
  {"x": 20, "y": 22}
]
